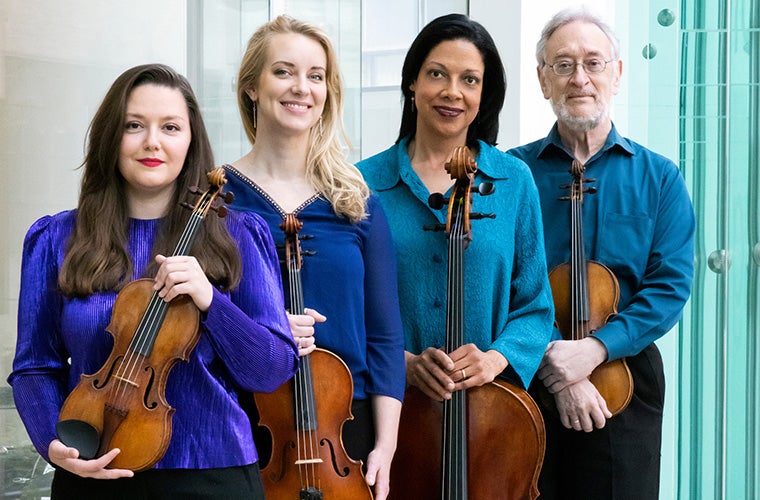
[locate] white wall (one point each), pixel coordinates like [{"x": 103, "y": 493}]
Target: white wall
[{"x": 57, "y": 59}]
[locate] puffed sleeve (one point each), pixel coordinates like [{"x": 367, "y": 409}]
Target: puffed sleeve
[
  {"x": 40, "y": 367},
  {"x": 249, "y": 328}
]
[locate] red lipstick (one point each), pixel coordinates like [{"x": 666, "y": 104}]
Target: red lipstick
[{"x": 150, "y": 162}]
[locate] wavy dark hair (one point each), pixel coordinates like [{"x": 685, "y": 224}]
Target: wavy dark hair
[
  {"x": 457, "y": 27},
  {"x": 97, "y": 258}
]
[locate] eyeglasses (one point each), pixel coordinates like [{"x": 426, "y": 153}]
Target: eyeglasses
[{"x": 591, "y": 66}]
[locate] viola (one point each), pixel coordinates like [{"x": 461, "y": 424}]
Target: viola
[
  {"x": 123, "y": 404},
  {"x": 305, "y": 415},
  {"x": 485, "y": 442},
  {"x": 586, "y": 294}
]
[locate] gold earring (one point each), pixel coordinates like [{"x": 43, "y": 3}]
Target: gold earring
[{"x": 414, "y": 107}]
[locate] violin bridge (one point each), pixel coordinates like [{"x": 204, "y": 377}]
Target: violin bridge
[
  {"x": 122, "y": 379},
  {"x": 308, "y": 461}
]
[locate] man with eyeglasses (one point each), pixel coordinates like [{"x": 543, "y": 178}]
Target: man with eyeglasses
[{"x": 636, "y": 219}]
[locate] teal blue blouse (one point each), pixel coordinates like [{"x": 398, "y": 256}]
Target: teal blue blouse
[{"x": 508, "y": 303}]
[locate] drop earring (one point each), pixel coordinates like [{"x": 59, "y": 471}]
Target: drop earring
[
  {"x": 254, "y": 115},
  {"x": 414, "y": 107}
]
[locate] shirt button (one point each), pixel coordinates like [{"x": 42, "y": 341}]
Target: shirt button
[{"x": 437, "y": 258}]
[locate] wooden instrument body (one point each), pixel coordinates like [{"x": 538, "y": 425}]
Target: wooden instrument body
[
  {"x": 305, "y": 416},
  {"x": 613, "y": 380},
  {"x": 334, "y": 473},
  {"x": 586, "y": 294},
  {"x": 504, "y": 451},
  {"x": 149, "y": 414},
  {"x": 488, "y": 441},
  {"x": 123, "y": 405}
]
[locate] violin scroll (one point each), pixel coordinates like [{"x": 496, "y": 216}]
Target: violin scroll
[
  {"x": 290, "y": 226},
  {"x": 212, "y": 198}
]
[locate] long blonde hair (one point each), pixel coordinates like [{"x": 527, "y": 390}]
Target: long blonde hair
[{"x": 327, "y": 168}]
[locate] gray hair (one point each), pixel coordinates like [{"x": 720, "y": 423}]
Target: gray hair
[{"x": 568, "y": 16}]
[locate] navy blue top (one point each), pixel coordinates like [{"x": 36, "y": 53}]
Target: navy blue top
[
  {"x": 640, "y": 224},
  {"x": 350, "y": 278},
  {"x": 245, "y": 344}
]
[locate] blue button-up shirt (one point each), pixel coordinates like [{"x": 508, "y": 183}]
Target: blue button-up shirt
[{"x": 639, "y": 223}]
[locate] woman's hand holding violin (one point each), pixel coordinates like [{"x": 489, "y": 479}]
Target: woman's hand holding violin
[
  {"x": 302, "y": 328},
  {"x": 182, "y": 274},
  {"x": 68, "y": 458}
]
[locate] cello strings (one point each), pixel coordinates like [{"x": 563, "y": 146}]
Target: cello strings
[{"x": 454, "y": 410}]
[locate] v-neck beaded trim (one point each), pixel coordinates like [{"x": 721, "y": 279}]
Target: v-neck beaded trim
[{"x": 266, "y": 196}]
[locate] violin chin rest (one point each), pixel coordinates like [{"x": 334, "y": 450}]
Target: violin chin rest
[{"x": 80, "y": 435}]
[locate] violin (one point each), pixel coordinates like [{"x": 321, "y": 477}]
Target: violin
[
  {"x": 305, "y": 415},
  {"x": 123, "y": 405},
  {"x": 485, "y": 442},
  {"x": 586, "y": 294}
]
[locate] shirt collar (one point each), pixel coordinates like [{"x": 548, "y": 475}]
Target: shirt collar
[
  {"x": 552, "y": 143},
  {"x": 389, "y": 177}
]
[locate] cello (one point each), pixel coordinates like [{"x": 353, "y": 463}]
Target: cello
[
  {"x": 462, "y": 441},
  {"x": 305, "y": 415},
  {"x": 586, "y": 294},
  {"x": 123, "y": 405}
]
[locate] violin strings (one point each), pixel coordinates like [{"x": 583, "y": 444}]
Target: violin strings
[
  {"x": 304, "y": 396},
  {"x": 574, "y": 262},
  {"x": 152, "y": 320}
]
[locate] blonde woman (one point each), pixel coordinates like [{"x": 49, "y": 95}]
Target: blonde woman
[{"x": 291, "y": 101}]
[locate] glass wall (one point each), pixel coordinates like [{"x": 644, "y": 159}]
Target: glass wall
[
  {"x": 718, "y": 152},
  {"x": 691, "y": 91}
]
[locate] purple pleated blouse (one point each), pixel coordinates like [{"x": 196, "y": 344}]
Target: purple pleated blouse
[{"x": 245, "y": 344}]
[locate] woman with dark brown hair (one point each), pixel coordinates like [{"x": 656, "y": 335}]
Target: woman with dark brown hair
[{"x": 147, "y": 144}]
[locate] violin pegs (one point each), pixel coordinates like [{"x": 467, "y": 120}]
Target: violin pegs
[
  {"x": 308, "y": 253},
  {"x": 437, "y": 201},
  {"x": 195, "y": 190},
  {"x": 564, "y": 198},
  {"x": 185, "y": 204},
  {"x": 434, "y": 227},
  {"x": 303, "y": 237},
  {"x": 590, "y": 190},
  {"x": 221, "y": 210},
  {"x": 478, "y": 215},
  {"x": 565, "y": 186},
  {"x": 486, "y": 188},
  {"x": 228, "y": 197}
]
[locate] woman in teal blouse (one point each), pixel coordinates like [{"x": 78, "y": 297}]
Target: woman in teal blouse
[{"x": 453, "y": 85}]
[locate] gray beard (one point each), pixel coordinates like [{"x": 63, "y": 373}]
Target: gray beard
[{"x": 579, "y": 123}]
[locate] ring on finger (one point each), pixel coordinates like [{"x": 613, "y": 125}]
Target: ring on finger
[{"x": 464, "y": 374}]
